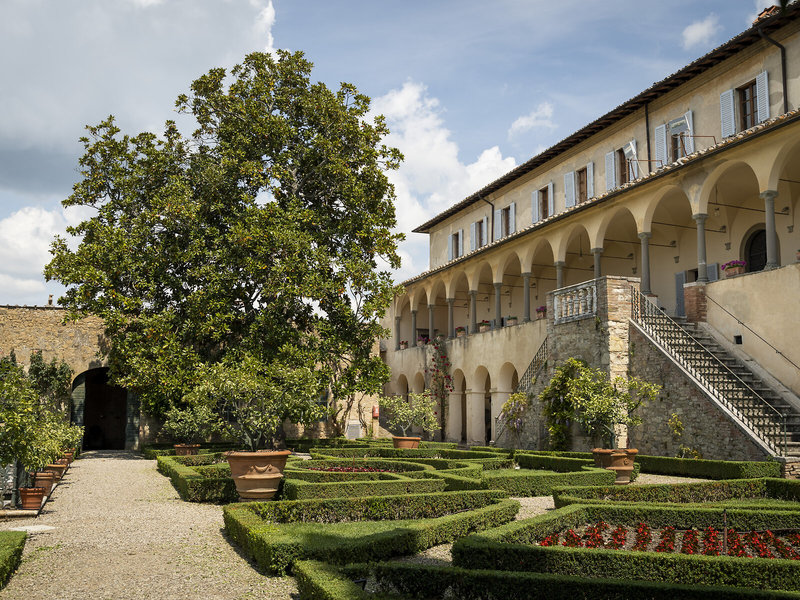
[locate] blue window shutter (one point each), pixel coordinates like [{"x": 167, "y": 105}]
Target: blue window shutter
[
  {"x": 661, "y": 146},
  {"x": 633, "y": 169},
  {"x": 536, "y": 200},
  {"x": 485, "y": 230},
  {"x": 472, "y": 238},
  {"x": 498, "y": 216},
  {"x": 461, "y": 242},
  {"x": 712, "y": 270},
  {"x": 590, "y": 180},
  {"x": 449, "y": 247},
  {"x": 688, "y": 141},
  {"x": 512, "y": 217},
  {"x": 551, "y": 197},
  {"x": 611, "y": 172},
  {"x": 726, "y": 114},
  {"x": 762, "y": 97},
  {"x": 569, "y": 189}
]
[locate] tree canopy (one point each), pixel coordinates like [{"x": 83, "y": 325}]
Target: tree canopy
[{"x": 258, "y": 238}]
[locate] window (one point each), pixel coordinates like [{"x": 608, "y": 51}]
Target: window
[
  {"x": 542, "y": 203},
  {"x": 674, "y": 140},
  {"x": 747, "y": 105},
  {"x": 544, "y": 199},
  {"x": 455, "y": 245},
  {"x": 478, "y": 234},
  {"x": 622, "y": 167},
  {"x": 505, "y": 221},
  {"x": 678, "y": 149},
  {"x": 582, "y": 190},
  {"x": 479, "y": 240}
]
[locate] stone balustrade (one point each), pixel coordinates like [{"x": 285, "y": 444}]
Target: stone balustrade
[{"x": 575, "y": 302}]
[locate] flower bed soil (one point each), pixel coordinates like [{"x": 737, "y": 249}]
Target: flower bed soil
[{"x": 708, "y": 542}]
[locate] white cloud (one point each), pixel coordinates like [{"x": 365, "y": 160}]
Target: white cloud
[
  {"x": 264, "y": 23},
  {"x": 431, "y": 178},
  {"x": 541, "y": 116},
  {"x": 701, "y": 33}
]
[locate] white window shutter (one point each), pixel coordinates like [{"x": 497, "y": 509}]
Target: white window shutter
[
  {"x": 472, "y": 239},
  {"x": 590, "y": 180},
  {"x": 569, "y": 189},
  {"x": 551, "y": 197},
  {"x": 688, "y": 140},
  {"x": 536, "y": 202},
  {"x": 611, "y": 172},
  {"x": 661, "y": 146},
  {"x": 461, "y": 242},
  {"x": 762, "y": 97},
  {"x": 498, "y": 217},
  {"x": 485, "y": 236},
  {"x": 450, "y": 247},
  {"x": 512, "y": 217},
  {"x": 633, "y": 170},
  {"x": 726, "y": 114}
]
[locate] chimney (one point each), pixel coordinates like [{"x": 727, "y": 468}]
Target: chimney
[
  {"x": 766, "y": 13},
  {"x": 50, "y": 300}
]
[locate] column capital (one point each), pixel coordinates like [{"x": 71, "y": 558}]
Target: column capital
[
  {"x": 397, "y": 318},
  {"x": 473, "y": 292},
  {"x": 497, "y": 285},
  {"x": 413, "y": 311},
  {"x": 526, "y": 274},
  {"x": 700, "y": 217},
  {"x": 451, "y": 300},
  {"x": 768, "y": 194},
  {"x": 559, "y": 263},
  {"x": 597, "y": 250},
  {"x": 645, "y": 235},
  {"x": 431, "y": 306}
]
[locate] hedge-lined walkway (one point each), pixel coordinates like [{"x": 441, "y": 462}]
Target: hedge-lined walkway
[{"x": 121, "y": 532}]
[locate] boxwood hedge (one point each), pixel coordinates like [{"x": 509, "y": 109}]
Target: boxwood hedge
[
  {"x": 296, "y": 489},
  {"x": 198, "y": 478},
  {"x": 11, "y": 545}
]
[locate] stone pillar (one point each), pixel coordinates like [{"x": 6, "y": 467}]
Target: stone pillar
[
  {"x": 694, "y": 301},
  {"x": 473, "y": 311},
  {"x": 559, "y": 274},
  {"x": 597, "y": 253},
  {"x": 451, "y": 328},
  {"x": 645, "y": 285},
  {"x": 476, "y": 426},
  {"x": 413, "y": 327},
  {"x": 498, "y": 399},
  {"x": 397, "y": 333},
  {"x": 497, "y": 308},
  {"x": 430, "y": 321},
  {"x": 772, "y": 235},
  {"x": 526, "y": 297},
  {"x": 453, "y": 432},
  {"x": 702, "y": 269}
]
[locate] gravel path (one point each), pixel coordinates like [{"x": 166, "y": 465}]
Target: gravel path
[{"x": 120, "y": 532}]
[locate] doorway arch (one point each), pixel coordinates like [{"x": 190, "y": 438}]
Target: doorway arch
[
  {"x": 755, "y": 250},
  {"x": 102, "y": 409}
]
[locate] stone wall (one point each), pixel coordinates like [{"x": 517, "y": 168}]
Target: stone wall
[
  {"x": 706, "y": 428},
  {"x": 27, "y": 329}
]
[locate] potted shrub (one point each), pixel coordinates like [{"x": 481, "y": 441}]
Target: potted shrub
[
  {"x": 189, "y": 427},
  {"x": 403, "y": 344},
  {"x": 461, "y": 331},
  {"x": 418, "y": 411},
  {"x": 541, "y": 312},
  {"x": 257, "y": 398},
  {"x": 734, "y": 267},
  {"x": 511, "y": 321},
  {"x": 484, "y": 326}
]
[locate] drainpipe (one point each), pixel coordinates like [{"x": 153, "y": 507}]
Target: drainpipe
[
  {"x": 783, "y": 67},
  {"x": 491, "y": 233},
  {"x": 647, "y": 134}
]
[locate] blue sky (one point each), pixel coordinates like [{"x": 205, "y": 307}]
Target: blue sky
[{"x": 470, "y": 89}]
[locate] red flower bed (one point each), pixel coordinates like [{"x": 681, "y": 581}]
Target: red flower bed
[{"x": 350, "y": 470}]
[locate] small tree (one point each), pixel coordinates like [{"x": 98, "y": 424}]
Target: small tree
[
  {"x": 193, "y": 424},
  {"x": 418, "y": 411},
  {"x": 512, "y": 415}
]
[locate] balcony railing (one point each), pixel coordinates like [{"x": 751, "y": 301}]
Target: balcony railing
[{"x": 575, "y": 302}]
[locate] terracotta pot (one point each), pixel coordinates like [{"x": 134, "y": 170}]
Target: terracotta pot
[
  {"x": 69, "y": 457},
  {"x": 31, "y": 498},
  {"x": 44, "y": 480},
  {"x": 602, "y": 457},
  {"x": 257, "y": 474},
  {"x": 622, "y": 464},
  {"x": 483, "y": 328},
  {"x": 56, "y": 469},
  {"x": 410, "y": 443},
  {"x": 733, "y": 271},
  {"x": 186, "y": 449}
]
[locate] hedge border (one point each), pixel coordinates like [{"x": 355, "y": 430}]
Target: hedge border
[
  {"x": 297, "y": 489},
  {"x": 193, "y": 486},
  {"x": 11, "y": 545}
]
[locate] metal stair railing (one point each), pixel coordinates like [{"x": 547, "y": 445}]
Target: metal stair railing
[
  {"x": 528, "y": 378},
  {"x": 718, "y": 378}
]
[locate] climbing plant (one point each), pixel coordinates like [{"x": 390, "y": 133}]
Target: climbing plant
[
  {"x": 512, "y": 415},
  {"x": 441, "y": 382}
]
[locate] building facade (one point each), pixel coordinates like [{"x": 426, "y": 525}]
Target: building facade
[{"x": 701, "y": 169}]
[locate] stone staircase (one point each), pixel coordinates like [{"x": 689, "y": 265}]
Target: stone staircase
[{"x": 772, "y": 422}]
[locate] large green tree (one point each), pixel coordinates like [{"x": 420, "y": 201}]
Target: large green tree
[{"x": 260, "y": 237}]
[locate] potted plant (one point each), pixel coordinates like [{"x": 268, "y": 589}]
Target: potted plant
[
  {"x": 484, "y": 326},
  {"x": 461, "y": 331},
  {"x": 191, "y": 426},
  {"x": 257, "y": 398},
  {"x": 734, "y": 267},
  {"x": 541, "y": 312},
  {"x": 418, "y": 411},
  {"x": 403, "y": 344},
  {"x": 511, "y": 321}
]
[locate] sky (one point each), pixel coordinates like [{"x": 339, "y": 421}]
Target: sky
[{"x": 469, "y": 89}]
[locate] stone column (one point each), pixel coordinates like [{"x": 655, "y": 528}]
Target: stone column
[
  {"x": 645, "y": 285},
  {"x": 430, "y": 321},
  {"x": 473, "y": 311},
  {"x": 397, "y": 333},
  {"x": 559, "y": 274},
  {"x": 526, "y": 297},
  {"x": 413, "y": 327},
  {"x": 772, "y": 235},
  {"x": 597, "y": 253},
  {"x": 702, "y": 268},
  {"x": 498, "y": 399},
  {"x": 476, "y": 426},
  {"x": 453, "y": 432},
  {"x": 497, "y": 307},
  {"x": 451, "y": 328}
]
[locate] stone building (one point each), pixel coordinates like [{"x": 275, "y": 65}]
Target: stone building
[
  {"x": 612, "y": 246},
  {"x": 109, "y": 413}
]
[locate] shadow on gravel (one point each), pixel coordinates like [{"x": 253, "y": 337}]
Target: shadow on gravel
[{"x": 116, "y": 454}]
